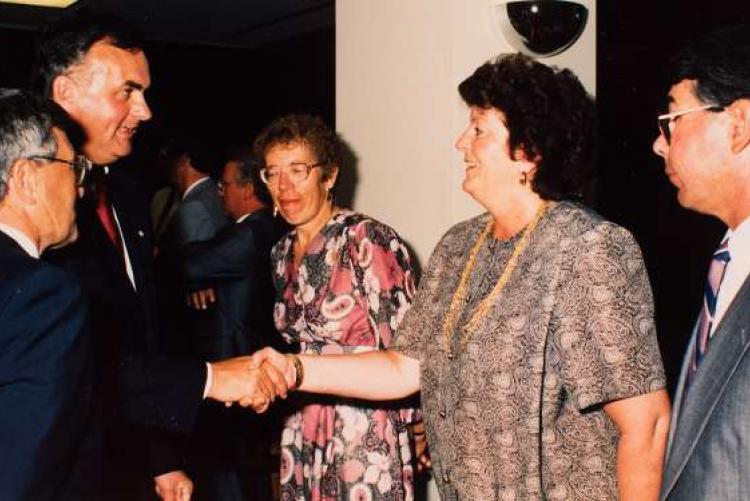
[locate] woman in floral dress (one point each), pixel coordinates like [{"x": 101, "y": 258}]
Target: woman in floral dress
[{"x": 343, "y": 283}]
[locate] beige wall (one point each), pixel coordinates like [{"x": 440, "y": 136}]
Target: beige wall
[{"x": 398, "y": 63}]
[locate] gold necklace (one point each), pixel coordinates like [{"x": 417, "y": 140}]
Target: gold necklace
[{"x": 460, "y": 295}]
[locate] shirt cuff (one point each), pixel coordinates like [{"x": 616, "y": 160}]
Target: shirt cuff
[{"x": 209, "y": 379}]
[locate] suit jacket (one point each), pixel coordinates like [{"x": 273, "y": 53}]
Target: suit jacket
[
  {"x": 135, "y": 383},
  {"x": 198, "y": 216},
  {"x": 45, "y": 375},
  {"x": 708, "y": 453},
  {"x": 236, "y": 263}
]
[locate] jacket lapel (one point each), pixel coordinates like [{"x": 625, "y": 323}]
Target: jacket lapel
[{"x": 726, "y": 350}]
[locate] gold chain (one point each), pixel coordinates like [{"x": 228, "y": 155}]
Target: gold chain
[{"x": 460, "y": 294}]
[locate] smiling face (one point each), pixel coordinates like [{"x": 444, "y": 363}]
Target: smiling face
[
  {"x": 490, "y": 170},
  {"x": 303, "y": 204},
  {"x": 697, "y": 158},
  {"x": 105, "y": 94}
]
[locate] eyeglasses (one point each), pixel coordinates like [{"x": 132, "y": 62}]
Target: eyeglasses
[
  {"x": 80, "y": 165},
  {"x": 665, "y": 121},
  {"x": 295, "y": 171}
]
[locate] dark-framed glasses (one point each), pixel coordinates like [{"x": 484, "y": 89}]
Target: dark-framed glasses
[
  {"x": 666, "y": 120},
  {"x": 80, "y": 165},
  {"x": 296, "y": 172}
]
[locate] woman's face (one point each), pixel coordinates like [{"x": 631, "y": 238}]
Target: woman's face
[
  {"x": 302, "y": 203},
  {"x": 490, "y": 170}
]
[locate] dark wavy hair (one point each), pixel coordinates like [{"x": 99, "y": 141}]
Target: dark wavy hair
[
  {"x": 66, "y": 41},
  {"x": 549, "y": 116},
  {"x": 309, "y": 130},
  {"x": 720, "y": 63}
]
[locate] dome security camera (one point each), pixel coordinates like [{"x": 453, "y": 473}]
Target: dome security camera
[{"x": 542, "y": 28}]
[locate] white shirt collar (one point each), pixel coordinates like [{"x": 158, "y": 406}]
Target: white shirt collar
[
  {"x": 21, "y": 239},
  {"x": 192, "y": 186},
  {"x": 242, "y": 218}
]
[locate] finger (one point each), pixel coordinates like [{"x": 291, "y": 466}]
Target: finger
[
  {"x": 277, "y": 379},
  {"x": 210, "y": 295},
  {"x": 266, "y": 386}
]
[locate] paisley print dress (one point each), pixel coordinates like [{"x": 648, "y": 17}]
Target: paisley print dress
[
  {"x": 351, "y": 290},
  {"x": 515, "y": 412}
]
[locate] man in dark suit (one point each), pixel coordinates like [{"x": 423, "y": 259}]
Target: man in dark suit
[
  {"x": 198, "y": 216},
  {"x": 45, "y": 350},
  {"x": 94, "y": 68},
  {"x": 235, "y": 265},
  {"x": 705, "y": 143}
]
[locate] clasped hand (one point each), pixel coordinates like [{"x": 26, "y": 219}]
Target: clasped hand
[{"x": 246, "y": 382}]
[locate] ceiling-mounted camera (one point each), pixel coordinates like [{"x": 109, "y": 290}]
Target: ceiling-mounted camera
[{"x": 542, "y": 28}]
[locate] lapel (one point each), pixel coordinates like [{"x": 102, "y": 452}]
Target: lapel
[
  {"x": 680, "y": 390},
  {"x": 728, "y": 346},
  {"x": 132, "y": 235}
]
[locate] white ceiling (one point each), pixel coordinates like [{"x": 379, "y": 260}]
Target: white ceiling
[{"x": 226, "y": 23}]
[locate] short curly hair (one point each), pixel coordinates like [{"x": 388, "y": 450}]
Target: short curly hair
[
  {"x": 549, "y": 117},
  {"x": 309, "y": 130}
]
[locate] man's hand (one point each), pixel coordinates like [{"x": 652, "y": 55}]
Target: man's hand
[
  {"x": 282, "y": 363},
  {"x": 238, "y": 380},
  {"x": 174, "y": 486},
  {"x": 200, "y": 300}
]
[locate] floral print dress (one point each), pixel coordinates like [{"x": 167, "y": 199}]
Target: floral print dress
[{"x": 351, "y": 290}]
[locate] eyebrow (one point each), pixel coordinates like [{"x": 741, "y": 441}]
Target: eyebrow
[{"x": 133, "y": 85}]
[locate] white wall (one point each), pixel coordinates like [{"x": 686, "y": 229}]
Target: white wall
[{"x": 398, "y": 64}]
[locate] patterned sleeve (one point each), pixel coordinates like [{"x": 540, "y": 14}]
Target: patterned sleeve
[
  {"x": 606, "y": 337},
  {"x": 384, "y": 270}
]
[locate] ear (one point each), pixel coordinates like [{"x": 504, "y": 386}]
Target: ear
[
  {"x": 524, "y": 164},
  {"x": 739, "y": 111},
  {"x": 64, "y": 92},
  {"x": 22, "y": 182},
  {"x": 331, "y": 181}
]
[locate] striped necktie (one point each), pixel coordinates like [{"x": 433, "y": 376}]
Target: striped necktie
[{"x": 704, "y": 332}]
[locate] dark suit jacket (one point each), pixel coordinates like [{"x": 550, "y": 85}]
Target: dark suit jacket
[
  {"x": 198, "y": 216},
  {"x": 236, "y": 263},
  {"x": 708, "y": 453},
  {"x": 45, "y": 375},
  {"x": 135, "y": 383}
]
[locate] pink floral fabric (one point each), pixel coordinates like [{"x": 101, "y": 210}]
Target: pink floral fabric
[{"x": 350, "y": 292}]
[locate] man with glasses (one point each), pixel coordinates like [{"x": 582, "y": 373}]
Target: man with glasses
[
  {"x": 45, "y": 356},
  {"x": 705, "y": 143},
  {"x": 232, "y": 450}
]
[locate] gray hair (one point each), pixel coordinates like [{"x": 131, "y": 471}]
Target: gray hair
[{"x": 25, "y": 131}]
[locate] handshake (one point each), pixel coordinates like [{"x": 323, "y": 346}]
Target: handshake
[{"x": 254, "y": 381}]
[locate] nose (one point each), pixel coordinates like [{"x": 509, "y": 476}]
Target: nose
[
  {"x": 660, "y": 145},
  {"x": 461, "y": 140},
  {"x": 284, "y": 183},
  {"x": 141, "y": 108}
]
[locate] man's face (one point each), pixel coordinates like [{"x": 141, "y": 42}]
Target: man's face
[
  {"x": 105, "y": 94},
  {"x": 233, "y": 195},
  {"x": 57, "y": 195},
  {"x": 696, "y": 158}
]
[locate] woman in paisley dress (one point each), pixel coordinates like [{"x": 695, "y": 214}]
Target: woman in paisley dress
[
  {"x": 531, "y": 335},
  {"x": 344, "y": 282}
]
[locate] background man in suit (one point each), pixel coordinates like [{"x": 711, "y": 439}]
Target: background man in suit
[
  {"x": 95, "y": 69},
  {"x": 705, "y": 142},
  {"x": 45, "y": 352},
  {"x": 198, "y": 216},
  {"x": 231, "y": 453}
]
